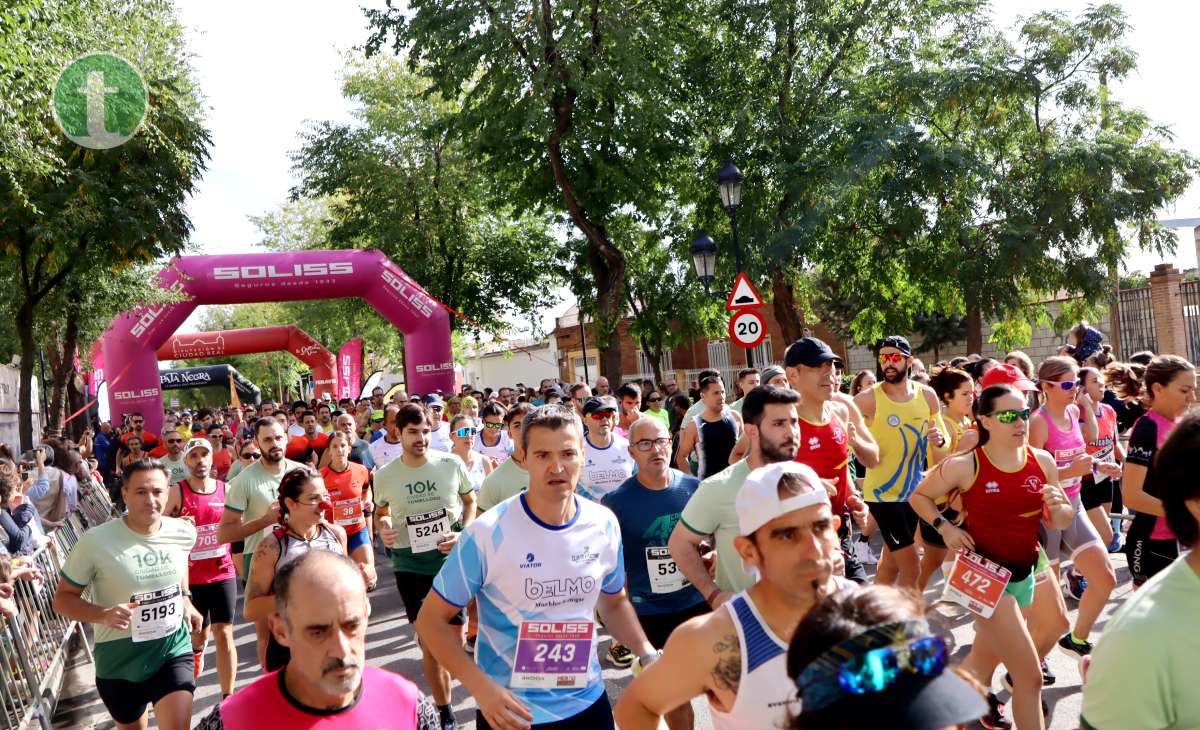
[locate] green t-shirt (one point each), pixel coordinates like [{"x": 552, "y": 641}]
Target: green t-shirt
[
  {"x": 737, "y": 405},
  {"x": 234, "y": 470},
  {"x": 177, "y": 472},
  {"x": 252, "y": 493},
  {"x": 414, "y": 491},
  {"x": 507, "y": 480},
  {"x": 1144, "y": 665},
  {"x": 116, "y": 563},
  {"x": 661, "y": 414},
  {"x": 711, "y": 511}
]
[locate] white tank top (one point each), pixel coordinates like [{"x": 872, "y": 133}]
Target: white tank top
[
  {"x": 766, "y": 696},
  {"x": 292, "y": 547},
  {"x": 476, "y": 474},
  {"x": 499, "y": 452}
]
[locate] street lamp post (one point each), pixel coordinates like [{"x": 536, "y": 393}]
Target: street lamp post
[{"x": 729, "y": 183}]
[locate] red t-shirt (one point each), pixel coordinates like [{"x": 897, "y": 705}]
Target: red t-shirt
[
  {"x": 222, "y": 461},
  {"x": 345, "y": 491}
]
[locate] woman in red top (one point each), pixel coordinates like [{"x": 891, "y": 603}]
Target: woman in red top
[
  {"x": 1007, "y": 488},
  {"x": 349, "y": 487}
]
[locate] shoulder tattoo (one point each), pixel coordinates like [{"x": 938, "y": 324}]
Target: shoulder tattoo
[{"x": 727, "y": 670}]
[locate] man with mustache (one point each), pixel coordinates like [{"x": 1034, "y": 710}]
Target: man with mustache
[
  {"x": 903, "y": 417},
  {"x": 737, "y": 656},
  {"x": 773, "y": 430},
  {"x": 321, "y": 615},
  {"x": 647, "y": 506}
]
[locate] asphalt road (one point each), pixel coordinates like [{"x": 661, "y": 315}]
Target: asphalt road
[{"x": 391, "y": 644}]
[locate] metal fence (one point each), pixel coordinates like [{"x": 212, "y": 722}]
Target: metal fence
[
  {"x": 1189, "y": 293},
  {"x": 34, "y": 642},
  {"x": 1137, "y": 322}
]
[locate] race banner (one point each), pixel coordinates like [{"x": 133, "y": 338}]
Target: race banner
[{"x": 349, "y": 369}]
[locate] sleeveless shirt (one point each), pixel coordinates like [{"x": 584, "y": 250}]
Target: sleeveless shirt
[
  {"x": 714, "y": 442},
  {"x": 1003, "y": 511},
  {"x": 207, "y": 510},
  {"x": 1065, "y": 447},
  {"x": 825, "y": 448},
  {"x": 902, "y": 432}
]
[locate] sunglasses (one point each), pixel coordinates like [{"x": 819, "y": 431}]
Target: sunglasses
[
  {"x": 493, "y": 426},
  {"x": 599, "y": 415},
  {"x": 646, "y": 445},
  {"x": 1065, "y": 385},
  {"x": 654, "y": 400},
  {"x": 251, "y": 455},
  {"x": 174, "y": 441},
  {"x": 465, "y": 432},
  {"x": 1011, "y": 415},
  {"x": 893, "y": 357}
]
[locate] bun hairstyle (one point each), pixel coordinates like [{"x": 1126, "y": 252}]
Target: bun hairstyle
[
  {"x": 1125, "y": 379},
  {"x": 291, "y": 486}
]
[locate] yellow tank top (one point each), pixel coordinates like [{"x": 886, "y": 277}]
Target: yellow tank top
[{"x": 902, "y": 432}]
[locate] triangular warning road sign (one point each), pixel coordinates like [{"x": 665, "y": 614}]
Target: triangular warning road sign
[{"x": 744, "y": 295}]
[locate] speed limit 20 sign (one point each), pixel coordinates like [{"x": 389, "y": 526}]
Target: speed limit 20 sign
[{"x": 747, "y": 328}]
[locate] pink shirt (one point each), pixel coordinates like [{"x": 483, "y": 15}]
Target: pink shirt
[
  {"x": 386, "y": 700},
  {"x": 209, "y": 561},
  {"x": 1065, "y": 447}
]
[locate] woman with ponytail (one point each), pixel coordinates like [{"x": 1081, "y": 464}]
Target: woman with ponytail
[
  {"x": 303, "y": 502},
  {"x": 1007, "y": 488},
  {"x": 1168, "y": 389}
]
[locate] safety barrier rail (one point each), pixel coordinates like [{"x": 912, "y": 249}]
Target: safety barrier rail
[{"x": 34, "y": 643}]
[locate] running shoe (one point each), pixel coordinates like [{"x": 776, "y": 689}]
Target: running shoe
[
  {"x": 995, "y": 719},
  {"x": 1048, "y": 677},
  {"x": 1079, "y": 648},
  {"x": 1117, "y": 544},
  {"x": 469, "y": 646},
  {"x": 1075, "y": 584},
  {"x": 620, "y": 655}
]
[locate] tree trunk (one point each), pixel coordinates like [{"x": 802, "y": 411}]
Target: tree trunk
[
  {"x": 77, "y": 397},
  {"x": 791, "y": 324},
  {"x": 25, "y": 390},
  {"x": 974, "y": 328},
  {"x": 62, "y": 365}
]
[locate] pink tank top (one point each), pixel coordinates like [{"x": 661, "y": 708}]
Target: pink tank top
[
  {"x": 1161, "y": 530},
  {"x": 209, "y": 561},
  {"x": 387, "y": 701},
  {"x": 1065, "y": 447}
]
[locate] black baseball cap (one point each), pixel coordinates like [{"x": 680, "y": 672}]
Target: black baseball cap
[
  {"x": 600, "y": 403},
  {"x": 898, "y": 342},
  {"x": 810, "y": 352}
]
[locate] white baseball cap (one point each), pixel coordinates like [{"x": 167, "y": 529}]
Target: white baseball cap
[
  {"x": 194, "y": 444},
  {"x": 758, "y": 500}
]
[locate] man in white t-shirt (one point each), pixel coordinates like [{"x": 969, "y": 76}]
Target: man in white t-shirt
[
  {"x": 388, "y": 448},
  {"x": 440, "y": 439},
  {"x": 607, "y": 463}
]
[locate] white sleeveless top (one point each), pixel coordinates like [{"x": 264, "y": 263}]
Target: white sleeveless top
[
  {"x": 499, "y": 452},
  {"x": 766, "y": 696},
  {"x": 292, "y": 547},
  {"x": 476, "y": 473}
]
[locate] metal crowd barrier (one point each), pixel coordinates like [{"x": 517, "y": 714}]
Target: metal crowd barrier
[{"x": 34, "y": 643}]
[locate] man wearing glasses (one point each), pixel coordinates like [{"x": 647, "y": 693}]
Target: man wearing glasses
[
  {"x": 606, "y": 455},
  {"x": 177, "y": 471},
  {"x": 647, "y": 506},
  {"x": 902, "y": 416},
  {"x": 137, "y": 428}
]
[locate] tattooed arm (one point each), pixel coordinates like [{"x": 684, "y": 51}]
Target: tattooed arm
[{"x": 702, "y": 657}]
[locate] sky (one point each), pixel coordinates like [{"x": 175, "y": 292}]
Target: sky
[{"x": 268, "y": 67}]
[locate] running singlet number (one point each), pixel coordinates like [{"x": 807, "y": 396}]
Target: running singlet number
[
  {"x": 976, "y": 583},
  {"x": 348, "y": 512},
  {"x": 553, "y": 654},
  {"x": 665, "y": 576},
  {"x": 158, "y": 614},
  {"x": 206, "y": 543},
  {"x": 425, "y": 530}
]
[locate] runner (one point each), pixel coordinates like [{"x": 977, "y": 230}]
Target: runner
[
  {"x": 492, "y": 440},
  {"x": 349, "y": 487},
  {"x": 222, "y": 460},
  {"x": 1107, "y": 454},
  {"x": 463, "y": 435},
  {"x": 327, "y": 682},
  {"x": 1168, "y": 388},
  {"x": 510, "y": 478},
  {"x": 303, "y": 501},
  {"x": 902, "y": 417},
  {"x": 629, "y": 396},
  {"x": 698, "y": 407},
  {"x": 1006, "y": 486},
  {"x": 1142, "y": 670},
  {"x": 423, "y": 499},
  {"x": 317, "y": 438},
  {"x": 606, "y": 455},
  {"x": 1063, "y": 426},
  {"x": 439, "y": 439},
  {"x": 173, "y": 442},
  {"x": 389, "y": 447},
  {"x": 200, "y": 499},
  {"x": 541, "y": 564},
  {"x": 647, "y": 507},
  {"x": 747, "y": 380},
  {"x": 252, "y": 503},
  {"x": 654, "y": 409},
  {"x": 829, "y": 429},
  {"x": 712, "y": 433},
  {"x": 774, "y": 433},
  {"x": 738, "y": 657},
  {"x": 135, "y": 570},
  {"x": 844, "y": 659}
]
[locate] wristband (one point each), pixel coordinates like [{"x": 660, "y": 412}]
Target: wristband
[
  {"x": 716, "y": 591},
  {"x": 640, "y": 664}
]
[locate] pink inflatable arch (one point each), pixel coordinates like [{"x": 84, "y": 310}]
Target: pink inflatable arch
[
  {"x": 130, "y": 343},
  {"x": 286, "y": 337}
]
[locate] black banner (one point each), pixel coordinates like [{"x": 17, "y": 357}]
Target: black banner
[{"x": 202, "y": 377}]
